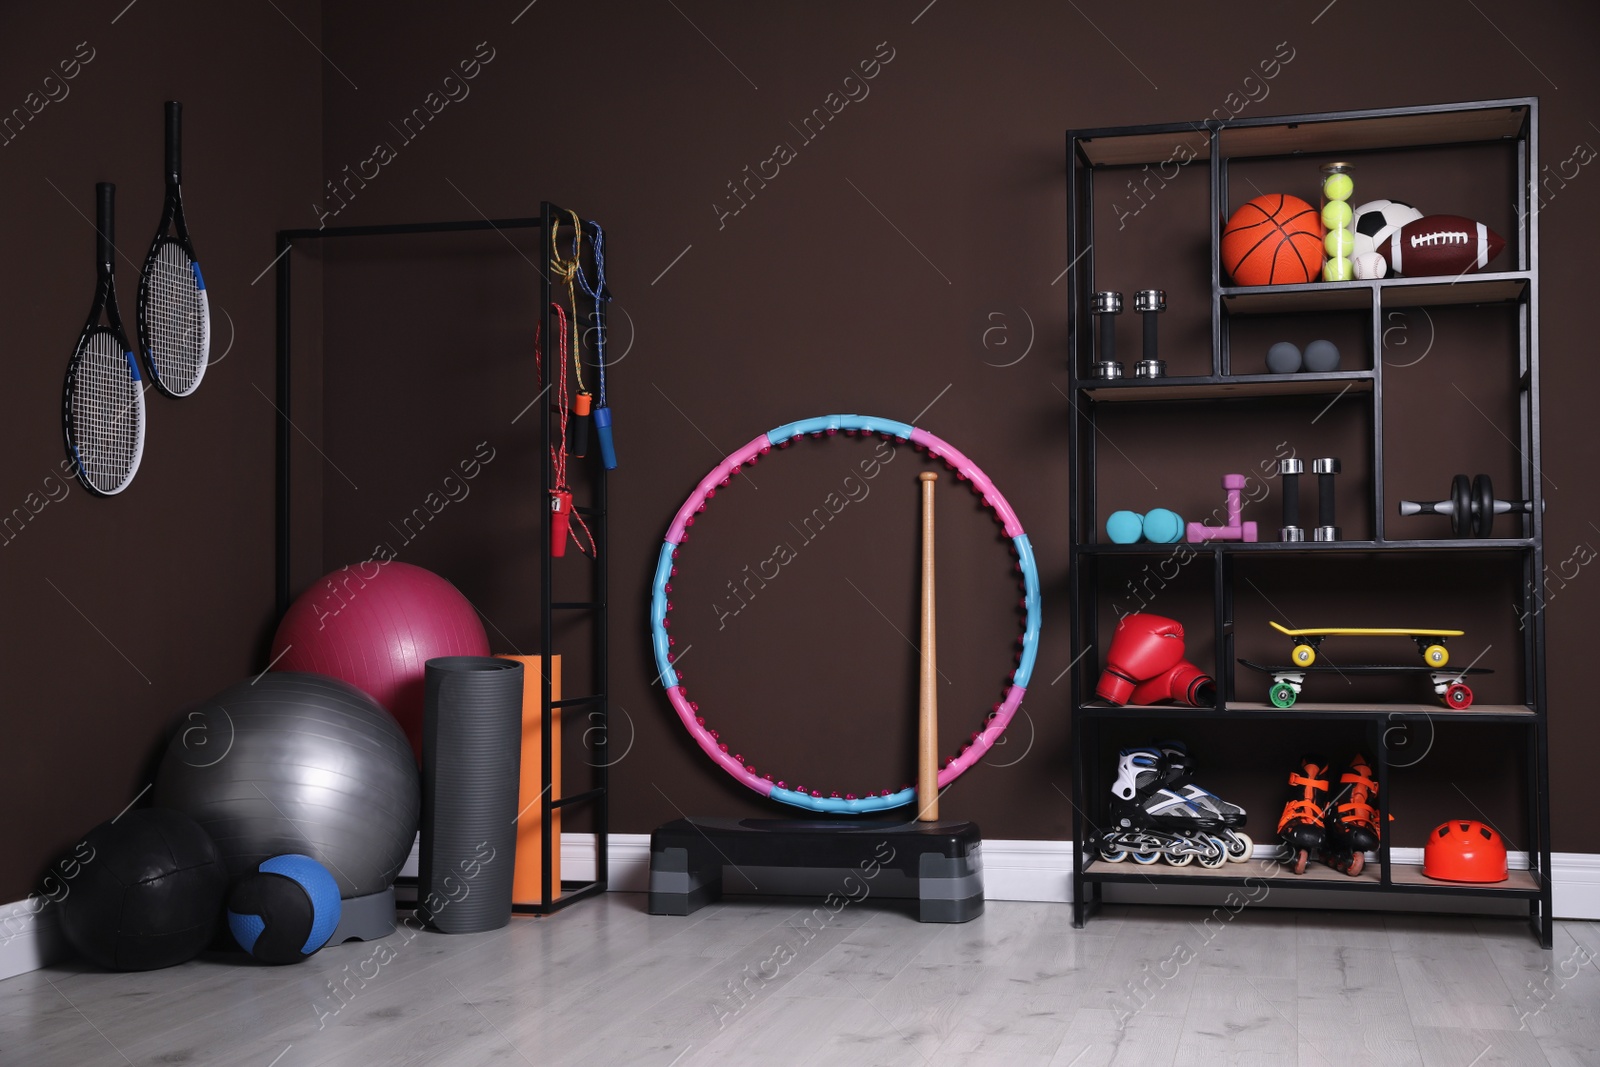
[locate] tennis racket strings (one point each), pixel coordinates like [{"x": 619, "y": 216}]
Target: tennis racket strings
[
  {"x": 107, "y": 412},
  {"x": 175, "y": 319}
]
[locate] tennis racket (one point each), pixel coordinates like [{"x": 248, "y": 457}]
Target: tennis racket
[
  {"x": 174, "y": 314},
  {"x": 103, "y": 400}
]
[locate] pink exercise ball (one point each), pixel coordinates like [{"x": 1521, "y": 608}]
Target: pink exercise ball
[{"x": 375, "y": 625}]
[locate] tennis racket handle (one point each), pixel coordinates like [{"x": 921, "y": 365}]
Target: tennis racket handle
[
  {"x": 174, "y": 138},
  {"x": 560, "y": 521},
  {"x": 580, "y": 424},
  {"x": 105, "y": 220},
  {"x": 602, "y": 429}
]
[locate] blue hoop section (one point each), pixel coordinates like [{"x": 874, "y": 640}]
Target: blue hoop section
[{"x": 677, "y": 533}]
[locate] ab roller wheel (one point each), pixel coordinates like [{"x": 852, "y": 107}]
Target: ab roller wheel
[{"x": 1472, "y": 507}]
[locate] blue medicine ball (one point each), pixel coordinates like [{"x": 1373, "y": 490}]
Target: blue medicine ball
[{"x": 285, "y": 910}]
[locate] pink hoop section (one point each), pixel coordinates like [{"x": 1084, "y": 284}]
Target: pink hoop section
[
  {"x": 708, "y": 485},
  {"x": 968, "y": 471},
  {"x": 708, "y": 744},
  {"x": 999, "y": 719}
]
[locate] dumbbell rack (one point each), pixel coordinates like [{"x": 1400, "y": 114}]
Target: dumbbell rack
[{"x": 1135, "y": 152}]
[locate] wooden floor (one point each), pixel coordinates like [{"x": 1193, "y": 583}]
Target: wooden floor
[{"x": 753, "y": 983}]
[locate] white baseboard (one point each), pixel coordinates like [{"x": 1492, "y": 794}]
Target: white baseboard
[
  {"x": 29, "y": 937},
  {"x": 1012, "y": 870}
]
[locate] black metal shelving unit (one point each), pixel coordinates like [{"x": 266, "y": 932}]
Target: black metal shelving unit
[
  {"x": 1214, "y": 145},
  {"x": 551, "y": 216}
]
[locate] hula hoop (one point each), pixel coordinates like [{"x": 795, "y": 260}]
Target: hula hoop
[{"x": 688, "y": 711}]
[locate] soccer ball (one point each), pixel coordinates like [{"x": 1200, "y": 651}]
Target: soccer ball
[{"x": 1375, "y": 220}]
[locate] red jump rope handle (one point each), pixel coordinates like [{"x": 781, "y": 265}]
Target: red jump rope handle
[
  {"x": 560, "y": 520},
  {"x": 580, "y": 424}
]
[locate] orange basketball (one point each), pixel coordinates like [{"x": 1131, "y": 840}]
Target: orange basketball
[{"x": 1273, "y": 240}]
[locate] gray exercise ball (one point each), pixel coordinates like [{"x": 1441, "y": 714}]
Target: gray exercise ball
[{"x": 297, "y": 763}]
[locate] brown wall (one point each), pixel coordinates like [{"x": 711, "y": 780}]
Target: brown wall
[
  {"x": 889, "y": 260},
  {"x": 120, "y": 611}
]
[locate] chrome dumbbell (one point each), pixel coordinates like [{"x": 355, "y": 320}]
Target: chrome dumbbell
[
  {"x": 1150, "y": 303},
  {"x": 1290, "y": 470},
  {"x": 1106, "y": 307},
  {"x": 1327, "y": 527}
]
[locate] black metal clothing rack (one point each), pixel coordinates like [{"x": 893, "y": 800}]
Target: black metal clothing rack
[{"x": 551, "y": 216}]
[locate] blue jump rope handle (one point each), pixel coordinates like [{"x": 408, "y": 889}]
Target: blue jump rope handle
[{"x": 608, "y": 447}]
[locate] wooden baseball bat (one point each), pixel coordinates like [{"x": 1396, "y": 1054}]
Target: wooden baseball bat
[{"x": 928, "y": 727}]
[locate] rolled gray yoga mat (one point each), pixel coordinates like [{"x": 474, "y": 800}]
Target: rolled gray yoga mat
[{"x": 471, "y": 764}]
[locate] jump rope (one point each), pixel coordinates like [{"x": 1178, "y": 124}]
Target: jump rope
[{"x": 567, "y": 407}]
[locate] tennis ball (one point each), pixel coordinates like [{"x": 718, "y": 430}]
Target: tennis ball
[
  {"x": 1337, "y": 270},
  {"x": 1336, "y": 215},
  {"x": 1338, "y": 187},
  {"x": 1338, "y": 243}
]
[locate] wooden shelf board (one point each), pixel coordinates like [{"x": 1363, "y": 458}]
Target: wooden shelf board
[
  {"x": 1228, "y": 386},
  {"x": 1489, "y": 546},
  {"x": 1409, "y": 875},
  {"x": 1435, "y": 711},
  {"x": 1402, "y": 877},
  {"x": 1316, "y": 873},
  {"x": 1314, "y": 710},
  {"x": 1247, "y": 139},
  {"x": 1494, "y": 287},
  {"x": 1243, "y": 140},
  {"x": 1132, "y": 149}
]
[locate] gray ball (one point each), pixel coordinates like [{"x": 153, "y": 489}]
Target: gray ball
[
  {"x": 1283, "y": 358},
  {"x": 1322, "y": 357},
  {"x": 297, "y": 763}
]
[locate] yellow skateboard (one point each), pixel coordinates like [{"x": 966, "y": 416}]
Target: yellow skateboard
[{"x": 1429, "y": 642}]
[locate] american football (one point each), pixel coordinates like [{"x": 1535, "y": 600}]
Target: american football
[{"x": 1441, "y": 244}]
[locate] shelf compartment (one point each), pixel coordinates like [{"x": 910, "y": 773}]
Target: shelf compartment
[
  {"x": 1492, "y": 287},
  {"x": 1225, "y": 386}
]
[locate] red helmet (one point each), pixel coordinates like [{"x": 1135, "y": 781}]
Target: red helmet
[{"x": 1465, "y": 850}]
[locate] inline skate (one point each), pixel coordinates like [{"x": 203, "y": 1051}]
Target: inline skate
[
  {"x": 1351, "y": 821},
  {"x": 1300, "y": 827},
  {"x": 1150, "y": 822},
  {"x": 1179, "y": 778}
]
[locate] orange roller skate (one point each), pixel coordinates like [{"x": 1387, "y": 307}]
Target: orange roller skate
[
  {"x": 1300, "y": 825},
  {"x": 1352, "y": 819}
]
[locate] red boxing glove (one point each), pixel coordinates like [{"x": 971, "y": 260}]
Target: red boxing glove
[
  {"x": 1183, "y": 684},
  {"x": 1143, "y": 647}
]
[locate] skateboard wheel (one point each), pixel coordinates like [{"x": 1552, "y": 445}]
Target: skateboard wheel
[
  {"x": 1458, "y": 696},
  {"x": 1435, "y": 655},
  {"x": 1303, "y": 655},
  {"x": 1282, "y": 695}
]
